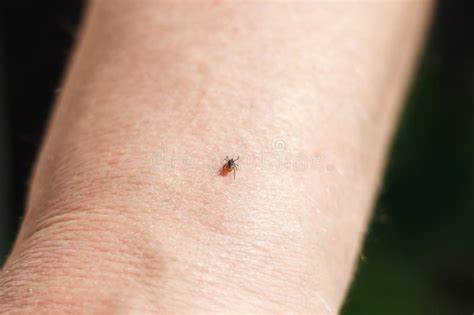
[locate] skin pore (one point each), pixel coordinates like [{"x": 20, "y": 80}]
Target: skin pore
[{"x": 128, "y": 210}]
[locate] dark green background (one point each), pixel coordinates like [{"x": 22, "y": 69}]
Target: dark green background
[{"x": 418, "y": 256}]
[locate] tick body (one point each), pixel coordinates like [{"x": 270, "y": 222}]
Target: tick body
[{"x": 230, "y": 165}]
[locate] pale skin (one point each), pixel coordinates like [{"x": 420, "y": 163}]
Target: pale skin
[{"x": 127, "y": 211}]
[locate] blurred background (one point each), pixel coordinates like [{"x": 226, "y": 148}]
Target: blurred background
[{"x": 418, "y": 257}]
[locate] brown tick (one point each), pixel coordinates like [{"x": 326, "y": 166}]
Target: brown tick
[{"x": 230, "y": 165}]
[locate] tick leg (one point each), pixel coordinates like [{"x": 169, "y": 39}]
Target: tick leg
[{"x": 234, "y": 173}]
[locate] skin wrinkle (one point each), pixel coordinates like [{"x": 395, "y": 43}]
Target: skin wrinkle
[
  {"x": 253, "y": 255},
  {"x": 58, "y": 226},
  {"x": 49, "y": 250}
]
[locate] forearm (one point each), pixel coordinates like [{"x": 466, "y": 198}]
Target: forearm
[{"x": 127, "y": 208}]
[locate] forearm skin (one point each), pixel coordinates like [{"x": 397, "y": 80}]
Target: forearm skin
[{"x": 128, "y": 211}]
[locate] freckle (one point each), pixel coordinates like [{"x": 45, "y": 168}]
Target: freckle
[
  {"x": 330, "y": 167},
  {"x": 113, "y": 162}
]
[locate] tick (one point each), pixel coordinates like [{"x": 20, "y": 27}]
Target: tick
[{"x": 230, "y": 165}]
